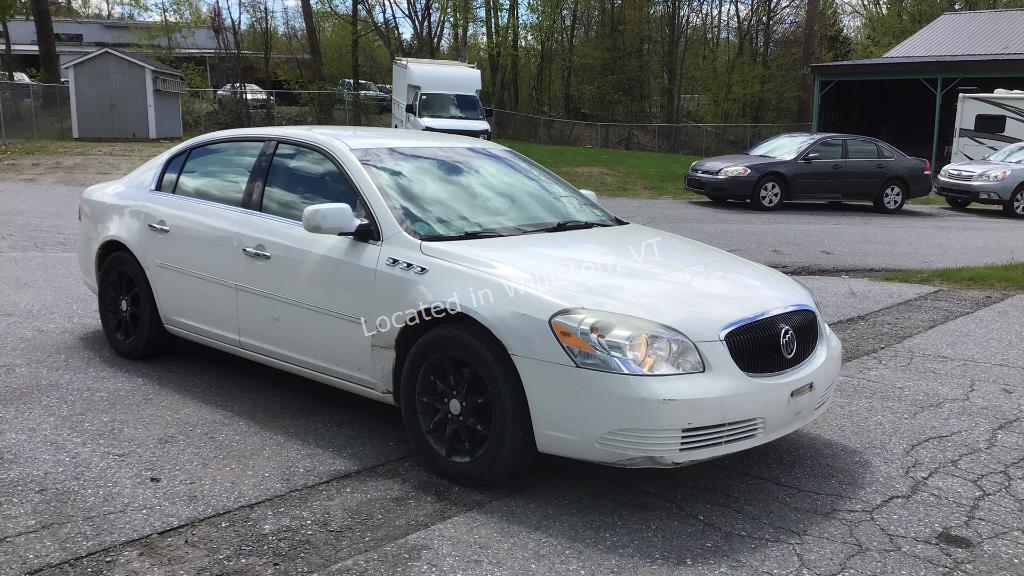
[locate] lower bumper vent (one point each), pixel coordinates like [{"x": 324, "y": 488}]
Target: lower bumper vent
[{"x": 668, "y": 442}]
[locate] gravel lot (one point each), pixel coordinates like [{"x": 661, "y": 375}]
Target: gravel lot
[{"x": 203, "y": 463}]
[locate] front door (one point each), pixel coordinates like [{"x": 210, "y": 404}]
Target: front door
[
  {"x": 192, "y": 224},
  {"x": 821, "y": 171},
  {"x": 302, "y": 296}
]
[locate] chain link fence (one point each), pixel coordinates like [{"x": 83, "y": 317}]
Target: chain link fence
[
  {"x": 206, "y": 110},
  {"x": 694, "y": 139},
  {"x": 30, "y": 111}
]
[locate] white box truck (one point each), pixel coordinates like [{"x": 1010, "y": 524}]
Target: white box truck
[
  {"x": 986, "y": 123},
  {"x": 438, "y": 96}
]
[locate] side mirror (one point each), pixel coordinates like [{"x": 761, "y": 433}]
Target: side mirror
[
  {"x": 811, "y": 156},
  {"x": 488, "y": 112},
  {"x": 335, "y": 219},
  {"x": 590, "y": 194},
  {"x": 410, "y": 109}
]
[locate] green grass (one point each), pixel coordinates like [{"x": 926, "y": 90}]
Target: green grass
[
  {"x": 79, "y": 147},
  {"x": 1004, "y": 276},
  {"x": 612, "y": 172}
]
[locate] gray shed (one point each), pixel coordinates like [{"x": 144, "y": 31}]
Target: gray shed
[{"x": 115, "y": 94}]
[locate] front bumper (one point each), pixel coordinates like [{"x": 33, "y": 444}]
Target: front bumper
[
  {"x": 995, "y": 192},
  {"x": 663, "y": 421},
  {"x": 720, "y": 187}
]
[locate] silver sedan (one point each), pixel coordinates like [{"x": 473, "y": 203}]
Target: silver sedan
[{"x": 996, "y": 179}]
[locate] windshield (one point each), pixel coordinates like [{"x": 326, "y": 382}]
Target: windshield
[
  {"x": 445, "y": 192},
  {"x": 1013, "y": 154},
  {"x": 784, "y": 147},
  {"x": 462, "y": 106}
]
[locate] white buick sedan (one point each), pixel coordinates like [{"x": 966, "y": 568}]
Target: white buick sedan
[{"x": 506, "y": 312}]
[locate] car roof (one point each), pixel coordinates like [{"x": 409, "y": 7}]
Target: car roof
[{"x": 357, "y": 137}]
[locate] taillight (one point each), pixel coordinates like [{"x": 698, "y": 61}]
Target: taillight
[{"x": 927, "y": 167}]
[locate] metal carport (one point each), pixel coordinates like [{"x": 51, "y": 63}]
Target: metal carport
[{"x": 908, "y": 96}]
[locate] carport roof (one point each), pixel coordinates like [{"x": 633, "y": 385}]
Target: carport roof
[{"x": 974, "y": 43}]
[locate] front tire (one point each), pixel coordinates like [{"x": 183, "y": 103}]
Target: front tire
[
  {"x": 128, "y": 311},
  {"x": 891, "y": 197},
  {"x": 464, "y": 406},
  {"x": 957, "y": 203},
  {"x": 768, "y": 193},
  {"x": 1015, "y": 205}
]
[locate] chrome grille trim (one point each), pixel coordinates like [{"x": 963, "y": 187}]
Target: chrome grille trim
[{"x": 668, "y": 442}]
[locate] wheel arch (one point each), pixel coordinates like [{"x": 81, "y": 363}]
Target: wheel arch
[
  {"x": 426, "y": 321},
  {"x": 787, "y": 182},
  {"x": 107, "y": 248}
]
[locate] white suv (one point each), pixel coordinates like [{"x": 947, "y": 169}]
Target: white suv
[{"x": 503, "y": 310}]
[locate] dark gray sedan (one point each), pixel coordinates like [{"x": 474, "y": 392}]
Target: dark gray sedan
[{"x": 802, "y": 166}]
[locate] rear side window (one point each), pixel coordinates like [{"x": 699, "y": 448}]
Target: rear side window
[
  {"x": 827, "y": 150},
  {"x": 218, "y": 172},
  {"x": 301, "y": 177},
  {"x": 170, "y": 177},
  {"x": 861, "y": 150},
  {"x": 990, "y": 123}
]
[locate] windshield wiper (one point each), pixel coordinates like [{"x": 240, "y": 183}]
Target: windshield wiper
[
  {"x": 467, "y": 235},
  {"x": 569, "y": 225}
]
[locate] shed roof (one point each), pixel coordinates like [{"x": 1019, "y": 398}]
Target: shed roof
[
  {"x": 982, "y": 32},
  {"x": 143, "y": 61}
]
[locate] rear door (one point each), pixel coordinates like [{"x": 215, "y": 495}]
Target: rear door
[
  {"x": 866, "y": 169},
  {"x": 821, "y": 171},
  {"x": 192, "y": 220}
]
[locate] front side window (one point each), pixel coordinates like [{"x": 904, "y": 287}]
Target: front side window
[
  {"x": 784, "y": 147},
  {"x": 301, "y": 177},
  {"x": 449, "y": 192},
  {"x": 218, "y": 172},
  {"x": 458, "y": 106},
  {"x": 826, "y": 150},
  {"x": 861, "y": 150}
]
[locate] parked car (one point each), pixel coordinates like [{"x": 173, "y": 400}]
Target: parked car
[
  {"x": 801, "y": 166},
  {"x": 439, "y": 96},
  {"x": 503, "y": 310},
  {"x": 369, "y": 95},
  {"x": 996, "y": 179},
  {"x": 384, "y": 88},
  {"x": 251, "y": 94}
]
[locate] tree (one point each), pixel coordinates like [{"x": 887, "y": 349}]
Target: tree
[
  {"x": 48, "y": 59},
  {"x": 7, "y": 10},
  {"x": 808, "y": 55},
  {"x": 316, "y": 61}
]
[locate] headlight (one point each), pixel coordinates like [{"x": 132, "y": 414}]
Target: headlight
[
  {"x": 692, "y": 164},
  {"x": 734, "y": 171},
  {"x": 944, "y": 171},
  {"x": 617, "y": 343},
  {"x": 994, "y": 176}
]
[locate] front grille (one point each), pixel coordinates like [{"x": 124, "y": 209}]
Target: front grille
[
  {"x": 695, "y": 183},
  {"x": 756, "y": 347},
  {"x": 668, "y": 442},
  {"x": 960, "y": 176},
  {"x": 706, "y": 172}
]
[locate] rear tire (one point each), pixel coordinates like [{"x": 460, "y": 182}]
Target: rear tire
[
  {"x": 891, "y": 197},
  {"x": 128, "y": 312},
  {"x": 768, "y": 193},
  {"x": 464, "y": 406},
  {"x": 957, "y": 203},
  {"x": 1015, "y": 205}
]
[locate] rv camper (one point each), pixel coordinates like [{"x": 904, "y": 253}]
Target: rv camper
[
  {"x": 438, "y": 96},
  {"x": 986, "y": 123}
]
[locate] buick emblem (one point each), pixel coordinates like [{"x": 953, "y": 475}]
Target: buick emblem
[{"x": 787, "y": 341}]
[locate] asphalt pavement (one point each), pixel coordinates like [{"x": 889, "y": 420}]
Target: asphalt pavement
[{"x": 199, "y": 462}]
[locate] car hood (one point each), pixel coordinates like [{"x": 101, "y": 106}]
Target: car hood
[
  {"x": 630, "y": 269},
  {"x": 456, "y": 124},
  {"x": 983, "y": 165},
  {"x": 716, "y": 163}
]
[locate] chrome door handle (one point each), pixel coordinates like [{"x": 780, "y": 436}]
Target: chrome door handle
[
  {"x": 254, "y": 253},
  {"x": 156, "y": 227}
]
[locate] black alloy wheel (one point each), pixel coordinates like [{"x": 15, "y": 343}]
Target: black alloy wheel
[
  {"x": 464, "y": 406},
  {"x": 128, "y": 312},
  {"x": 958, "y": 203},
  {"x": 454, "y": 407}
]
